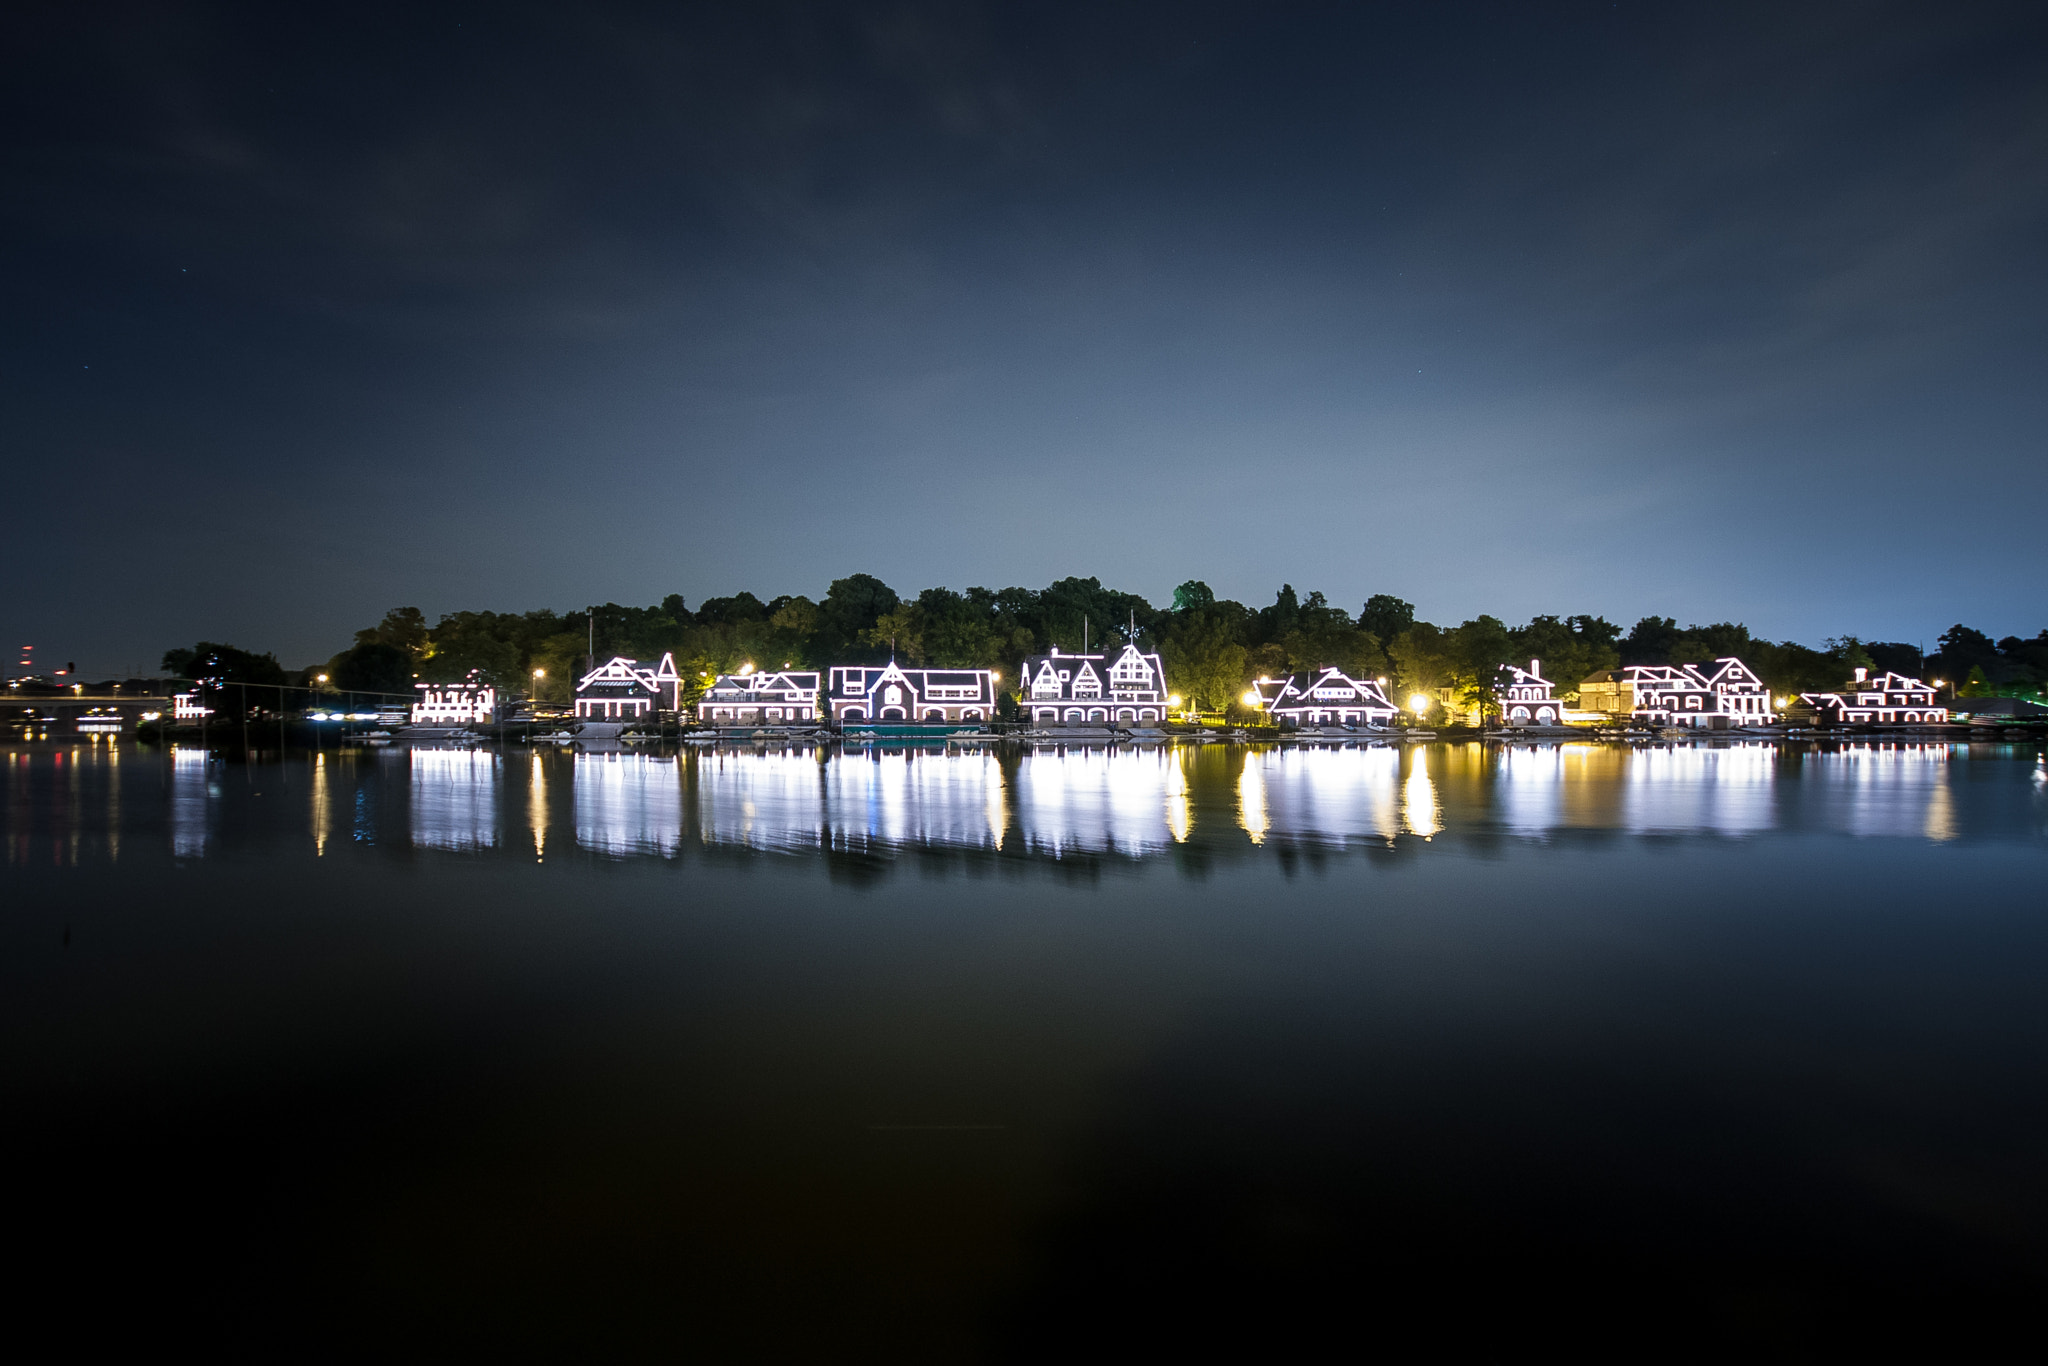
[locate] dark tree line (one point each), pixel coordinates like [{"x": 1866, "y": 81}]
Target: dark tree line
[{"x": 1214, "y": 648}]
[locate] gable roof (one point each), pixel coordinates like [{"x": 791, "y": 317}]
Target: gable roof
[
  {"x": 784, "y": 682},
  {"x": 1296, "y": 692},
  {"x": 620, "y": 672},
  {"x": 1104, "y": 669}
]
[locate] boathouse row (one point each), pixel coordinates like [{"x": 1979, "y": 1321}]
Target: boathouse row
[
  {"x": 890, "y": 692},
  {"x": 623, "y": 689},
  {"x": 767, "y": 697},
  {"x": 1886, "y": 700},
  {"x": 1061, "y": 689},
  {"x": 1717, "y": 696},
  {"x": 1324, "y": 697}
]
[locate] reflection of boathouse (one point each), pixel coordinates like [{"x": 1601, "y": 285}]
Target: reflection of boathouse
[
  {"x": 891, "y": 693},
  {"x": 627, "y": 690},
  {"x": 1325, "y": 697},
  {"x": 1091, "y": 690},
  {"x": 764, "y": 698}
]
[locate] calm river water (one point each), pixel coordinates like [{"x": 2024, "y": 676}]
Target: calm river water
[{"x": 1701, "y": 1051}]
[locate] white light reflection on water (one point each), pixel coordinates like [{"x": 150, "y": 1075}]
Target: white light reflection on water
[
  {"x": 764, "y": 801},
  {"x": 323, "y": 803},
  {"x": 454, "y": 799},
  {"x": 1728, "y": 791},
  {"x": 1329, "y": 795},
  {"x": 883, "y": 798},
  {"x": 1180, "y": 816},
  {"x": 1887, "y": 790},
  {"x": 189, "y": 806},
  {"x": 537, "y": 805},
  {"x": 628, "y": 803},
  {"x": 1251, "y": 800},
  {"x": 1421, "y": 813},
  {"x": 1530, "y": 788},
  {"x": 1095, "y": 801},
  {"x": 1136, "y": 802}
]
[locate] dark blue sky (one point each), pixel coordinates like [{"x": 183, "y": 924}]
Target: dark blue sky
[{"x": 1719, "y": 312}]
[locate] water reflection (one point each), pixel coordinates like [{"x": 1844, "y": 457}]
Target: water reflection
[
  {"x": 1055, "y": 802},
  {"x": 628, "y": 803},
  {"x": 191, "y": 786},
  {"x": 322, "y": 813},
  {"x": 1332, "y": 795},
  {"x": 1098, "y": 801},
  {"x": 1724, "y": 790},
  {"x": 886, "y": 798},
  {"x": 762, "y": 801},
  {"x": 537, "y": 804},
  {"x": 1890, "y": 791},
  {"x": 1420, "y": 812},
  {"x": 454, "y": 799}
]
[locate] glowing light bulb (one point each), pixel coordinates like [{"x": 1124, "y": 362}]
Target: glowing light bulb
[{"x": 1419, "y": 703}]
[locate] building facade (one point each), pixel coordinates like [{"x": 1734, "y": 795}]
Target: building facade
[
  {"x": 454, "y": 704},
  {"x": 1890, "y": 699},
  {"x": 1325, "y": 697},
  {"x": 1713, "y": 696},
  {"x": 787, "y": 698},
  {"x": 1094, "y": 690},
  {"x": 627, "y": 690},
  {"x": 1528, "y": 698},
  {"x": 890, "y": 694}
]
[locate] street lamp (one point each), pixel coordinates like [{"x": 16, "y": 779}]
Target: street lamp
[{"x": 1419, "y": 703}]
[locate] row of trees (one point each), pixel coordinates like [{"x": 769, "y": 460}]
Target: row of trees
[{"x": 1213, "y": 648}]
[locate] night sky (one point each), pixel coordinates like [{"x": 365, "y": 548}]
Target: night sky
[{"x": 1711, "y": 311}]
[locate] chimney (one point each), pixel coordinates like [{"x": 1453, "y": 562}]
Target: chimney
[
  {"x": 1536, "y": 667},
  {"x": 1861, "y": 673}
]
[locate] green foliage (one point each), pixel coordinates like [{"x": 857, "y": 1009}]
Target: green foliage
[
  {"x": 1386, "y": 616},
  {"x": 1849, "y": 652},
  {"x": 373, "y": 666},
  {"x": 739, "y": 607},
  {"x": 845, "y": 618},
  {"x": 1212, "y": 648},
  {"x": 1065, "y": 608},
  {"x": 472, "y": 642},
  {"x": 1895, "y": 657},
  {"x": 1323, "y": 635},
  {"x": 1424, "y": 659},
  {"x": 1651, "y": 641},
  {"x": 405, "y": 627},
  {"x": 1204, "y": 653},
  {"x": 954, "y": 630},
  {"x": 216, "y": 668},
  {"x": 1571, "y": 648},
  {"x": 1275, "y": 622}
]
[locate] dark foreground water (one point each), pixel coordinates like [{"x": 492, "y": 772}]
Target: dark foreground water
[{"x": 1715, "y": 1053}]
